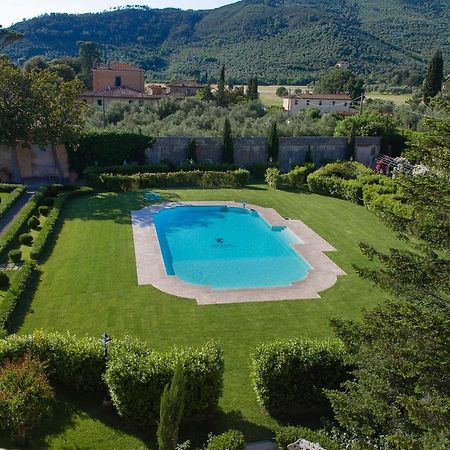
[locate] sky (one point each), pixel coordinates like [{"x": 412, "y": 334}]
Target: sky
[{"x": 14, "y": 11}]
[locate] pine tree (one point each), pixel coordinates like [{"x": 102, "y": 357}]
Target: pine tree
[
  {"x": 435, "y": 77},
  {"x": 221, "y": 100},
  {"x": 228, "y": 146},
  {"x": 273, "y": 142},
  {"x": 192, "y": 150},
  {"x": 171, "y": 411}
]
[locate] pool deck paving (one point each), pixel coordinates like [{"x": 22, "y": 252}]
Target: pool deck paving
[{"x": 151, "y": 270}]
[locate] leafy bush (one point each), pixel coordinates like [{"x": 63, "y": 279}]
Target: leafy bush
[
  {"x": 273, "y": 177},
  {"x": 15, "y": 192},
  {"x": 26, "y": 239},
  {"x": 48, "y": 201},
  {"x": 230, "y": 440},
  {"x": 14, "y": 294},
  {"x": 20, "y": 223},
  {"x": 348, "y": 170},
  {"x": 51, "y": 223},
  {"x": 25, "y": 396},
  {"x": 294, "y": 179},
  {"x": 107, "y": 148},
  {"x": 77, "y": 363},
  {"x": 289, "y": 376},
  {"x": 33, "y": 222},
  {"x": 4, "y": 280},
  {"x": 43, "y": 210},
  {"x": 15, "y": 256},
  {"x": 136, "y": 378},
  {"x": 288, "y": 435},
  {"x": 230, "y": 179}
]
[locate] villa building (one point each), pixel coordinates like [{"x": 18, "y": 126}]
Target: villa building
[
  {"x": 325, "y": 103},
  {"x": 188, "y": 88}
]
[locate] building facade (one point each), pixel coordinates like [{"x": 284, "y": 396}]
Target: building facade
[{"x": 325, "y": 103}]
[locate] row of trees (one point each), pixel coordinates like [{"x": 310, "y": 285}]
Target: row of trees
[{"x": 38, "y": 107}]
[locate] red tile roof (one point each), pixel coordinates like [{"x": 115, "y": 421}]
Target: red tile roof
[
  {"x": 120, "y": 66},
  {"x": 119, "y": 92}
]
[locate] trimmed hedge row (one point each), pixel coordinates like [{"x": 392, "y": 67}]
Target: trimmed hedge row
[
  {"x": 197, "y": 178},
  {"x": 15, "y": 193},
  {"x": 21, "y": 222},
  {"x": 230, "y": 440},
  {"x": 18, "y": 285},
  {"x": 136, "y": 383},
  {"x": 107, "y": 148},
  {"x": 288, "y": 435},
  {"x": 52, "y": 220},
  {"x": 294, "y": 179},
  {"x": 289, "y": 376},
  {"x": 134, "y": 374}
]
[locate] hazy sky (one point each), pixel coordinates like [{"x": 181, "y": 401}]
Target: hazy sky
[{"x": 15, "y": 10}]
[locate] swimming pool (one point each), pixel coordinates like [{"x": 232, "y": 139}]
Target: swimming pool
[{"x": 227, "y": 247}]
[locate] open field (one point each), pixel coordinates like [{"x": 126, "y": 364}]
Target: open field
[
  {"x": 88, "y": 285},
  {"x": 397, "y": 99}
]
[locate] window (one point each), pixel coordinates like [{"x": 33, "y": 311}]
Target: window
[
  {"x": 307, "y": 102},
  {"x": 141, "y": 102},
  {"x": 130, "y": 102},
  {"x": 345, "y": 104},
  {"x": 118, "y": 81},
  {"x": 99, "y": 102},
  {"x": 296, "y": 102},
  {"x": 320, "y": 102},
  {"x": 333, "y": 102}
]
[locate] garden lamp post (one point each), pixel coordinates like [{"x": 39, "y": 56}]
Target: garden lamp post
[{"x": 105, "y": 340}]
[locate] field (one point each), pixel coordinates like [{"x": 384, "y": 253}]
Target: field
[{"x": 88, "y": 286}]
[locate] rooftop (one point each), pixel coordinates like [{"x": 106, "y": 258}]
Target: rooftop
[
  {"x": 120, "y": 66},
  {"x": 119, "y": 92},
  {"x": 310, "y": 96}
]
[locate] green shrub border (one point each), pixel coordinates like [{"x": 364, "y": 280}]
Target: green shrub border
[
  {"x": 19, "y": 284},
  {"x": 16, "y": 191}
]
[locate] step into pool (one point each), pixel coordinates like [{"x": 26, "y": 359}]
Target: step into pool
[{"x": 227, "y": 247}]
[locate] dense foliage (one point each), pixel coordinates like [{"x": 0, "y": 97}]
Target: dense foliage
[
  {"x": 289, "y": 376},
  {"x": 25, "y": 396},
  {"x": 136, "y": 377},
  {"x": 252, "y": 36},
  {"x": 400, "y": 349},
  {"x": 287, "y": 435},
  {"x": 230, "y": 440}
]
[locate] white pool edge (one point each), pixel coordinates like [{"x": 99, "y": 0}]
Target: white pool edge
[{"x": 150, "y": 267}]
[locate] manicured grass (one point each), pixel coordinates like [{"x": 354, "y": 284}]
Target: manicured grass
[{"x": 88, "y": 285}]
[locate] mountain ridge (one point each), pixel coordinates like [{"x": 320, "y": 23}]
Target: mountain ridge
[{"x": 280, "y": 40}]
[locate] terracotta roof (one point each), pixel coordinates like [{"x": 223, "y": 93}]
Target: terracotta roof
[
  {"x": 120, "y": 66},
  {"x": 309, "y": 96},
  {"x": 185, "y": 83},
  {"x": 119, "y": 92}
]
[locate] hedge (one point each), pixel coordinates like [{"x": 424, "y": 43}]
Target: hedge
[
  {"x": 16, "y": 191},
  {"x": 53, "y": 217},
  {"x": 230, "y": 179},
  {"x": 288, "y": 435},
  {"x": 230, "y": 440},
  {"x": 294, "y": 179},
  {"x": 77, "y": 363},
  {"x": 136, "y": 382},
  {"x": 107, "y": 148},
  {"x": 289, "y": 376},
  {"x": 17, "y": 288},
  {"x": 20, "y": 223}
]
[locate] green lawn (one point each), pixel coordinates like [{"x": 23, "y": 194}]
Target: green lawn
[{"x": 88, "y": 285}]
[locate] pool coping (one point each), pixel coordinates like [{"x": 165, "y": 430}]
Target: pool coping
[{"x": 151, "y": 270}]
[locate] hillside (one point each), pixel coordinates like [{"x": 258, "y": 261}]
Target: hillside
[{"x": 281, "y": 40}]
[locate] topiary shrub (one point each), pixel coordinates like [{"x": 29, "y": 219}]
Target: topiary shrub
[
  {"x": 44, "y": 210},
  {"x": 33, "y": 222},
  {"x": 15, "y": 256},
  {"x": 4, "y": 280},
  {"x": 47, "y": 201},
  {"x": 230, "y": 440},
  {"x": 25, "y": 396},
  {"x": 289, "y": 376},
  {"x": 288, "y": 435},
  {"x": 136, "y": 378},
  {"x": 273, "y": 177},
  {"x": 26, "y": 239}
]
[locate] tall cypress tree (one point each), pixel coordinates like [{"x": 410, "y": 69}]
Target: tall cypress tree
[
  {"x": 435, "y": 77},
  {"x": 255, "y": 94},
  {"x": 249, "y": 91},
  {"x": 192, "y": 150},
  {"x": 227, "y": 147},
  {"x": 171, "y": 411},
  {"x": 274, "y": 143},
  {"x": 221, "y": 100}
]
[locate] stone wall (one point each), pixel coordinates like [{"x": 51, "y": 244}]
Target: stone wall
[
  {"x": 293, "y": 150},
  {"x": 367, "y": 148}
]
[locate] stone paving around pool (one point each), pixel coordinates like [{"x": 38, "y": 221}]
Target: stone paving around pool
[{"x": 150, "y": 265}]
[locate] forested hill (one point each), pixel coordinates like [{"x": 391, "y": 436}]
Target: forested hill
[{"x": 280, "y": 40}]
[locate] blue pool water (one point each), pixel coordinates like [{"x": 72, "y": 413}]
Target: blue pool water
[{"x": 227, "y": 247}]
